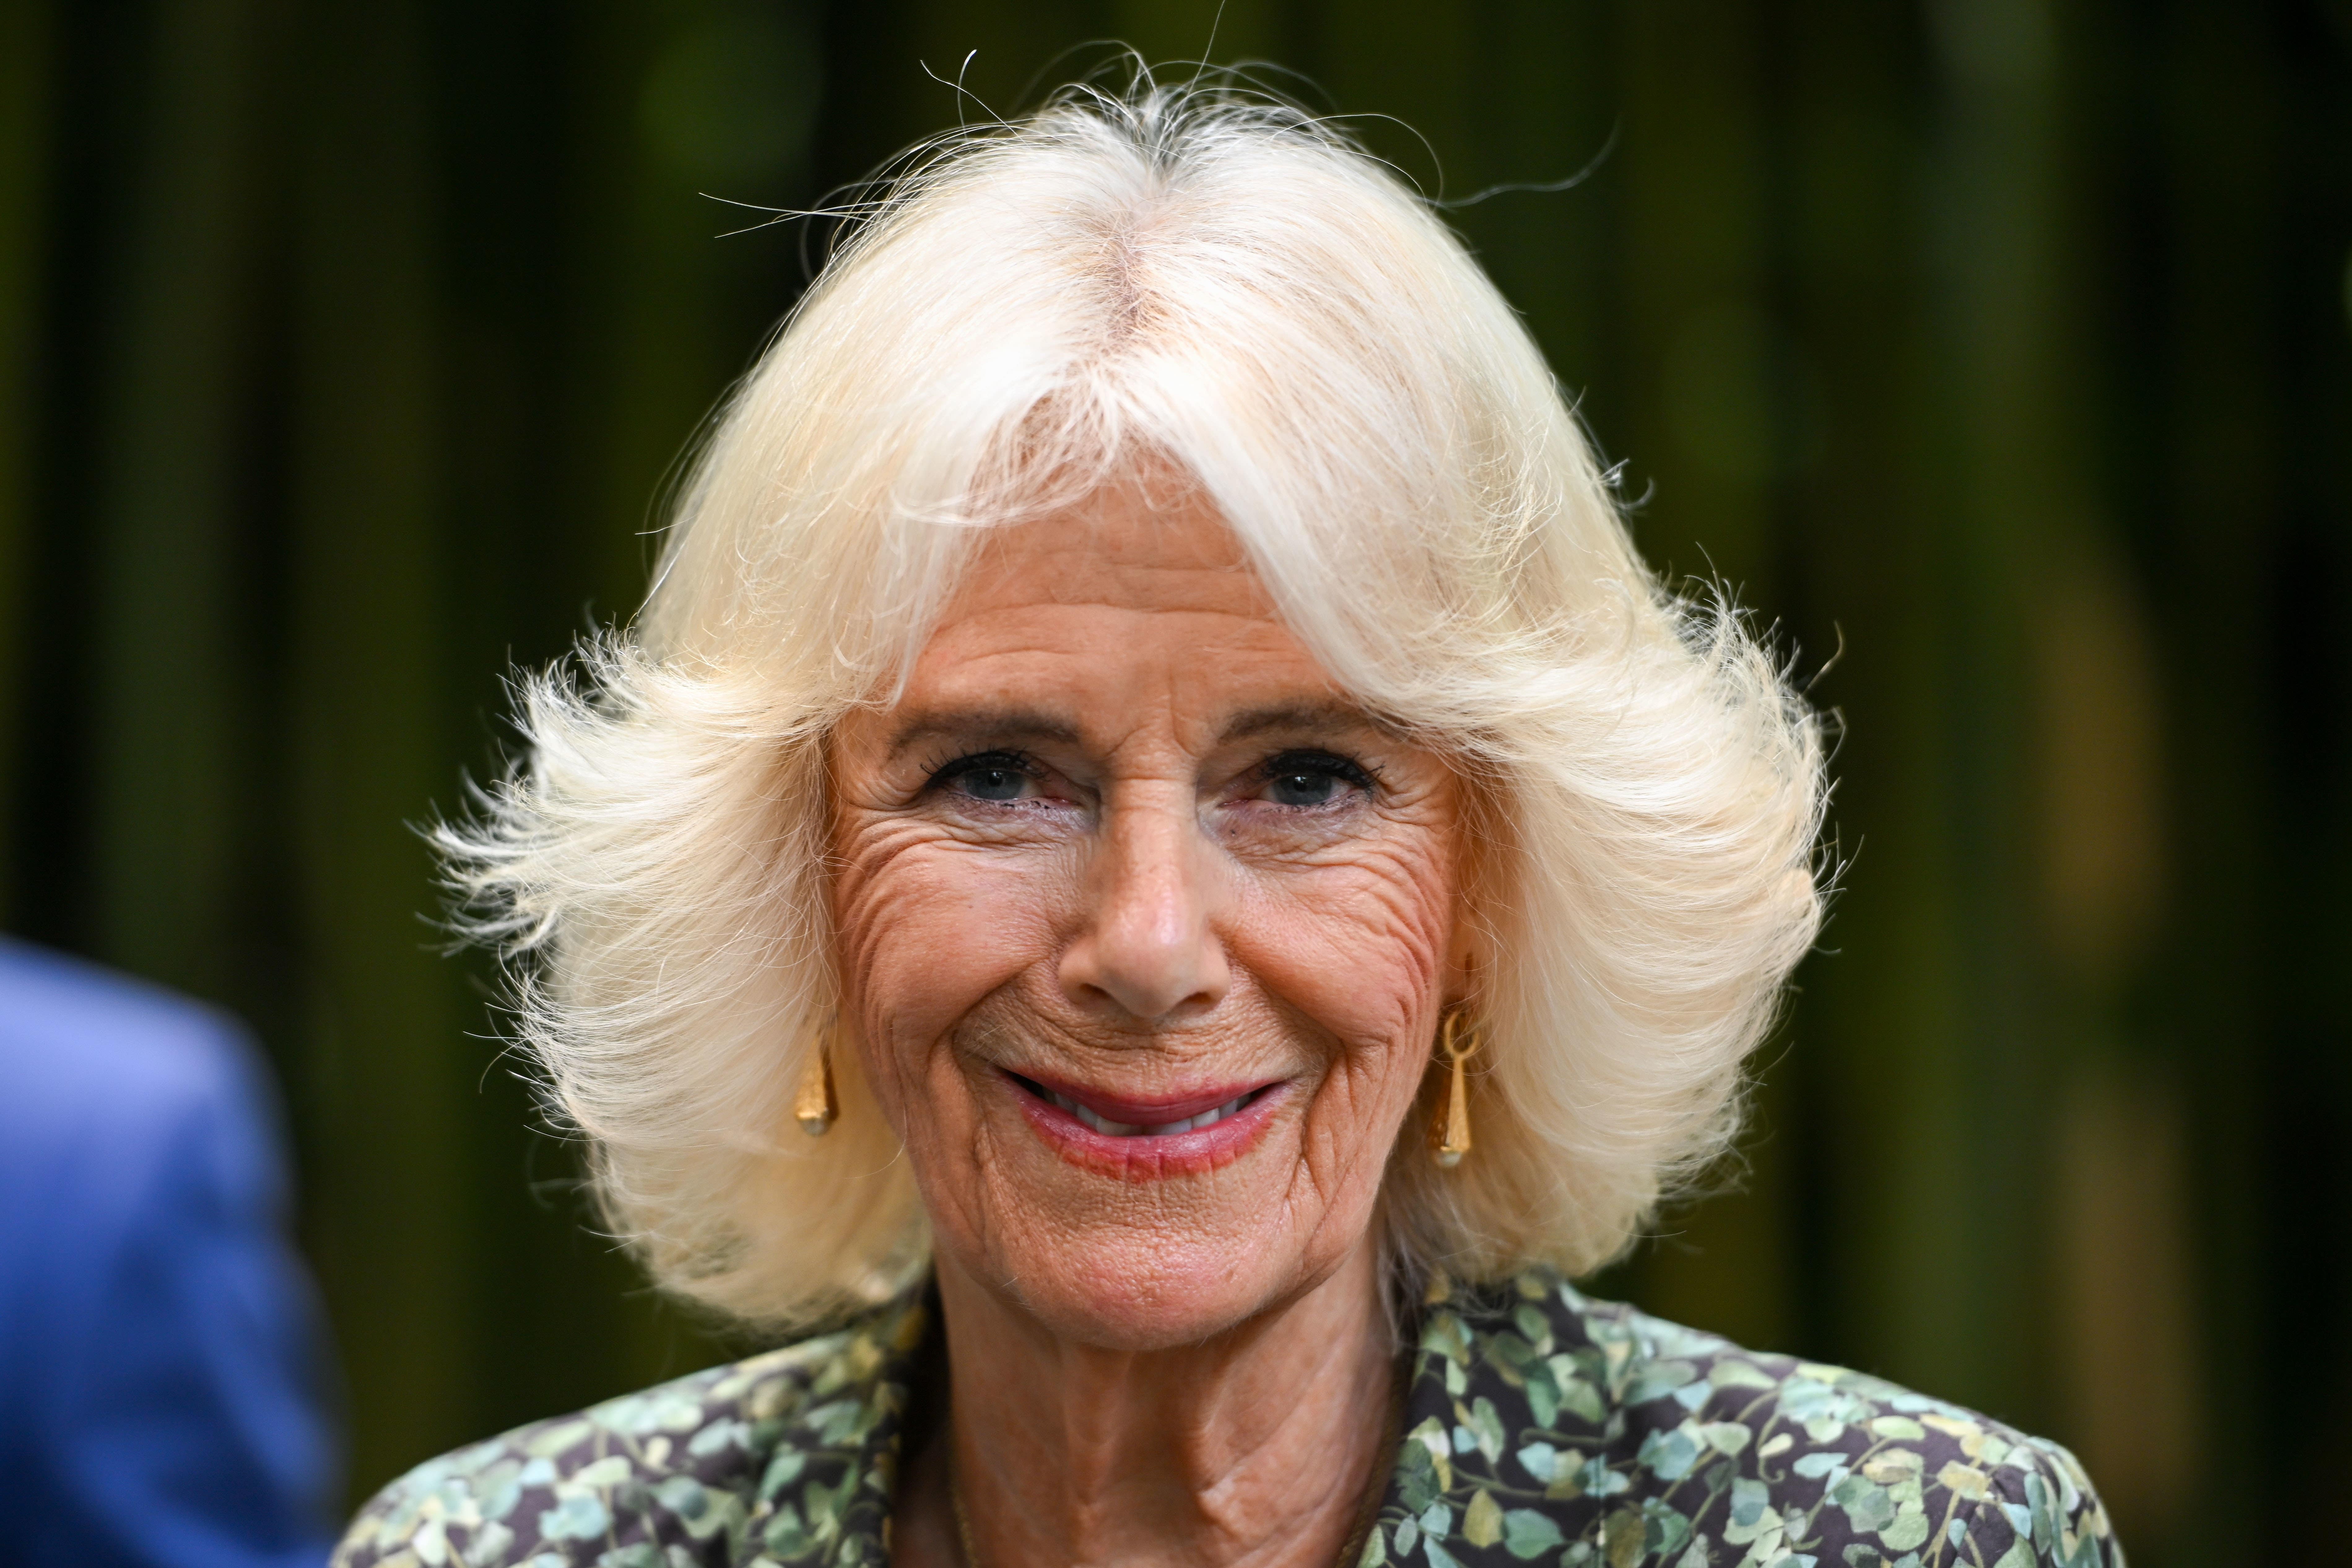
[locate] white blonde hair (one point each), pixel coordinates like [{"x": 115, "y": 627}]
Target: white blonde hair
[{"x": 1207, "y": 282}]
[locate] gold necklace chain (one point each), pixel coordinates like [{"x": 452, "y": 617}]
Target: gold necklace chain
[{"x": 963, "y": 1522}]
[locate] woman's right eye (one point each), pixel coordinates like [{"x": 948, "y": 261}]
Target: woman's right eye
[
  {"x": 990, "y": 777},
  {"x": 993, "y": 783}
]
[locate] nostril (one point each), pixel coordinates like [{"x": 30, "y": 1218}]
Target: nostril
[{"x": 1146, "y": 978}]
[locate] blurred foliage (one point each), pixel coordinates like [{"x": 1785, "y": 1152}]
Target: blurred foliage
[{"x": 1998, "y": 348}]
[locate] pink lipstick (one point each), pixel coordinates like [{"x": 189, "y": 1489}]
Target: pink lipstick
[{"x": 1147, "y": 1140}]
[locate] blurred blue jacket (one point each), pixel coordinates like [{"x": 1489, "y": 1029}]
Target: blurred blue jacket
[{"x": 161, "y": 1355}]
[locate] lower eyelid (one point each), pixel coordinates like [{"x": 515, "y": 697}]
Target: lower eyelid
[{"x": 1347, "y": 797}]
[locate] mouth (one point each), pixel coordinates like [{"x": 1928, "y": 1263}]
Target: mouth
[{"x": 1147, "y": 1138}]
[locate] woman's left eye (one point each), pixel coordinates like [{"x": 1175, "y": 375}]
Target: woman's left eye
[{"x": 1312, "y": 778}]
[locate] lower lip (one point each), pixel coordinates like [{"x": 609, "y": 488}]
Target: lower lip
[{"x": 1143, "y": 1157}]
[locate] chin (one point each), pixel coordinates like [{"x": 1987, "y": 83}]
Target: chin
[
  {"x": 1152, "y": 1292},
  {"x": 1135, "y": 1225}
]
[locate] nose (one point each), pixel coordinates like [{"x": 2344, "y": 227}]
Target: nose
[{"x": 1149, "y": 947}]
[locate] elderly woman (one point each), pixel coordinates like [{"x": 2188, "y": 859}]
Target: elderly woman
[{"x": 1150, "y": 738}]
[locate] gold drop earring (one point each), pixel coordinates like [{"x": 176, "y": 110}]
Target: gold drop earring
[
  {"x": 815, "y": 1106},
  {"x": 1450, "y": 1136}
]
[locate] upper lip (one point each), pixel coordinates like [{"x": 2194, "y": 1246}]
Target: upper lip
[{"x": 1146, "y": 1112}]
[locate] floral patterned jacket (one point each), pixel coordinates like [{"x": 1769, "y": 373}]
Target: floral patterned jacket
[{"x": 1539, "y": 1427}]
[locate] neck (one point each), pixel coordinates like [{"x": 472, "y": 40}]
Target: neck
[{"x": 1256, "y": 1448}]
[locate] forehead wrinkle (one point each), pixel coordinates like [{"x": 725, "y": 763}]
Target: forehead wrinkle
[
  {"x": 1030, "y": 725},
  {"x": 1144, "y": 591}
]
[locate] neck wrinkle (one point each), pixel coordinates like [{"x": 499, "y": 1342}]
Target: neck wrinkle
[{"x": 1254, "y": 1450}]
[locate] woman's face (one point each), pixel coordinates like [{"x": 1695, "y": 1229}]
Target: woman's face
[{"x": 1144, "y": 929}]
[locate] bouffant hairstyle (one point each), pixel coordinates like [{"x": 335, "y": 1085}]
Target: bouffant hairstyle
[{"x": 1218, "y": 286}]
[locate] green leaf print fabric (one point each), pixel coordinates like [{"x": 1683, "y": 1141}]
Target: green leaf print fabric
[{"x": 1539, "y": 1427}]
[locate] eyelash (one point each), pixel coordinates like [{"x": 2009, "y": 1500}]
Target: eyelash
[
  {"x": 1362, "y": 775},
  {"x": 1346, "y": 769},
  {"x": 939, "y": 773}
]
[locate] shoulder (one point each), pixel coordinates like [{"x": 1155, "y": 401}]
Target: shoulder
[
  {"x": 159, "y": 1352},
  {"x": 82, "y": 1047},
  {"x": 787, "y": 1451},
  {"x": 1634, "y": 1439},
  {"x": 133, "y": 1122}
]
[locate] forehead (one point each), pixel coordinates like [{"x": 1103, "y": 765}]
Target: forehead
[
  {"x": 1139, "y": 545},
  {"x": 1136, "y": 601}
]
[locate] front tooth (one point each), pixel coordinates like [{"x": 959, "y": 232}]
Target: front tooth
[{"x": 1104, "y": 1125}]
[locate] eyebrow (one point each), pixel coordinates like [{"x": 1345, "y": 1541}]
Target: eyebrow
[
  {"x": 1300, "y": 716},
  {"x": 1020, "y": 724},
  {"x": 1014, "y": 725}
]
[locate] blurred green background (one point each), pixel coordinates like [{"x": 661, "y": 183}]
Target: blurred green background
[{"x": 1998, "y": 347}]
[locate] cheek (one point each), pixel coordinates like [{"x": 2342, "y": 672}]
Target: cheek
[
  {"x": 1360, "y": 948},
  {"x": 926, "y": 927}
]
